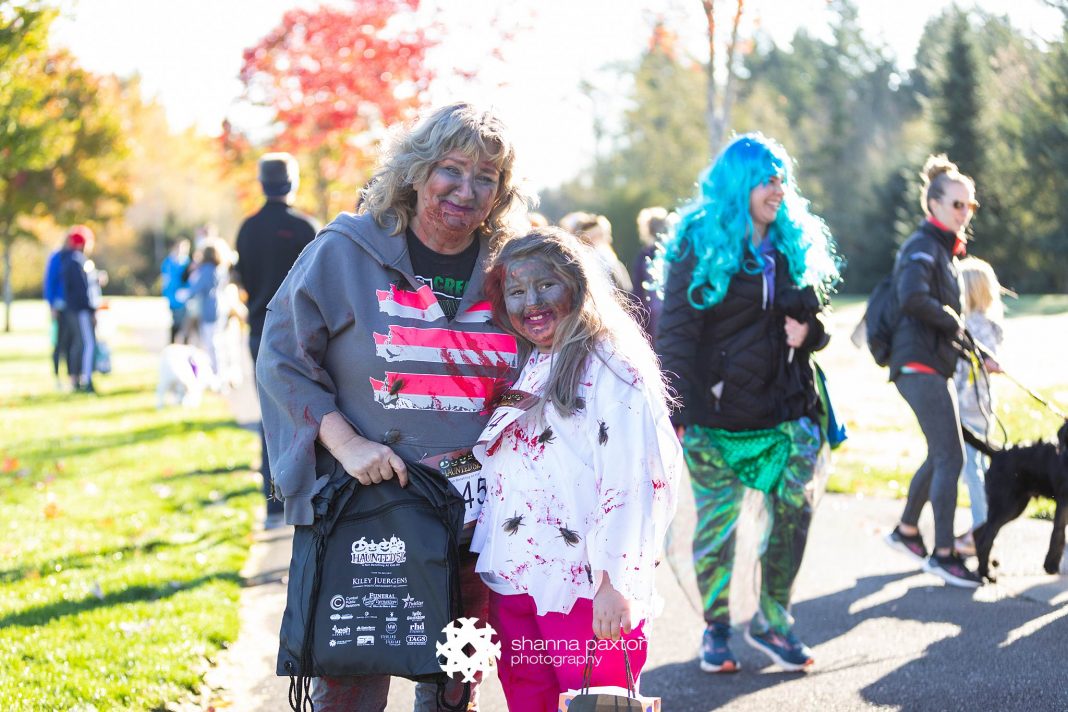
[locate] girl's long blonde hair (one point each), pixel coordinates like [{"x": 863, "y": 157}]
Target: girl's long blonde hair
[
  {"x": 982, "y": 291},
  {"x": 600, "y": 315}
]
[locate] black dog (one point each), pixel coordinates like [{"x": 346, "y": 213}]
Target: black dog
[{"x": 1017, "y": 474}]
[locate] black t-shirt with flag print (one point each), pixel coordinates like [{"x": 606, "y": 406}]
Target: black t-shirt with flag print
[{"x": 446, "y": 275}]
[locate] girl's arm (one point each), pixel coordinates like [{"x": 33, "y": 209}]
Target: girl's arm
[{"x": 636, "y": 462}]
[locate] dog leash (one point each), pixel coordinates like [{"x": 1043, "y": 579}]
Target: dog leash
[
  {"x": 1052, "y": 408},
  {"x": 984, "y": 352}
]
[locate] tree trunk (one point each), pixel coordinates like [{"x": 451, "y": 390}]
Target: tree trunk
[
  {"x": 718, "y": 118},
  {"x": 8, "y": 297},
  {"x": 714, "y": 132}
]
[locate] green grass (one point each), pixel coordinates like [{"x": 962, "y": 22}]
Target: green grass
[
  {"x": 124, "y": 532},
  {"x": 1022, "y": 417}
]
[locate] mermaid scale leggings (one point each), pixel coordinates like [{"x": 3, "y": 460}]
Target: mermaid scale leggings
[{"x": 718, "y": 494}]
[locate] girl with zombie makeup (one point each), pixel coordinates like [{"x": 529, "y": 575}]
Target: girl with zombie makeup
[
  {"x": 582, "y": 464},
  {"x": 749, "y": 270}
]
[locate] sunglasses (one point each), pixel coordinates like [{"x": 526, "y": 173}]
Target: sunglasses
[{"x": 972, "y": 205}]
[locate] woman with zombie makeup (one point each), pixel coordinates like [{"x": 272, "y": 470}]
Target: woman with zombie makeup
[
  {"x": 749, "y": 270},
  {"x": 379, "y": 346},
  {"x": 581, "y": 465},
  {"x": 924, "y": 351}
]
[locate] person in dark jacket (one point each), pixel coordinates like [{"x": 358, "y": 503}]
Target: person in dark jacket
[
  {"x": 652, "y": 230},
  {"x": 268, "y": 243},
  {"x": 79, "y": 311},
  {"x": 749, "y": 270},
  {"x": 923, "y": 357}
]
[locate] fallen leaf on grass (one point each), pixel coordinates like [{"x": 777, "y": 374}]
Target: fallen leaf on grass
[
  {"x": 51, "y": 509},
  {"x": 10, "y": 464}
]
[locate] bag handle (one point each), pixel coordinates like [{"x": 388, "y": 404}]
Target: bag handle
[{"x": 587, "y": 672}]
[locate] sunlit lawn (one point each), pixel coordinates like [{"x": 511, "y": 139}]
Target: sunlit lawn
[
  {"x": 885, "y": 444},
  {"x": 124, "y": 531}
]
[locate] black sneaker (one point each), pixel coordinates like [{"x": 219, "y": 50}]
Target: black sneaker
[
  {"x": 953, "y": 571},
  {"x": 910, "y": 545}
]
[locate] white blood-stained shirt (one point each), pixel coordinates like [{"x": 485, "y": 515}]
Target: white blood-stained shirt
[{"x": 572, "y": 498}]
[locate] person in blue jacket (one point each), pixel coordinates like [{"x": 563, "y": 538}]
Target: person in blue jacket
[
  {"x": 57, "y": 302},
  {"x": 173, "y": 285}
]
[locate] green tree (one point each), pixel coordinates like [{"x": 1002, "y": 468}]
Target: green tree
[
  {"x": 60, "y": 140},
  {"x": 840, "y": 107},
  {"x": 956, "y": 109},
  {"x": 1043, "y": 140},
  {"x": 658, "y": 153}
]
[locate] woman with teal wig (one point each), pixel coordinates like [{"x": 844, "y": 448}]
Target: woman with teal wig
[{"x": 750, "y": 268}]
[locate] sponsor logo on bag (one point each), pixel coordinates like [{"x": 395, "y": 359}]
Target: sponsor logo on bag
[
  {"x": 338, "y": 602},
  {"x": 380, "y": 600},
  {"x": 410, "y": 602},
  {"x": 341, "y": 616},
  {"x": 391, "y": 641},
  {"x": 342, "y": 631},
  {"x": 416, "y": 640},
  {"x": 335, "y": 643},
  {"x": 391, "y": 617},
  {"x": 416, "y": 616},
  {"x": 364, "y": 640},
  {"x": 388, "y": 552},
  {"x": 416, "y": 627},
  {"x": 391, "y": 627},
  {"x": 365, "y": 629}
]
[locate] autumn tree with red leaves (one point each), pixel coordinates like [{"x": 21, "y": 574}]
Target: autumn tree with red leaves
[{"x": 336, "y": 77}]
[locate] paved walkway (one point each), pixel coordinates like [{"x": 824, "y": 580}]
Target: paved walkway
[{"x": 885, "y": 636}]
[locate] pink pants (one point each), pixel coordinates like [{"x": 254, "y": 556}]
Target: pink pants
[{"x": 542, "y": 656}]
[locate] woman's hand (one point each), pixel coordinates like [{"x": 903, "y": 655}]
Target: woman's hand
[
  {"x": 796, "y": 332},
  {"x": 364, "y": 460},
  {"x": 611, "y": 612}
]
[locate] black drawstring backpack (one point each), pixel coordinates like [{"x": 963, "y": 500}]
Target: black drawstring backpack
[{"x": 372, "y": 583}]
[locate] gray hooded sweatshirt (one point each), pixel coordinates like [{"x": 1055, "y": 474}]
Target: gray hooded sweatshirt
[{"x": 352, "y": 330}]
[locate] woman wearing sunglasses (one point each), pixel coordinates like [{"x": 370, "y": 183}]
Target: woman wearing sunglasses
[{"x": 924, "y": 353}]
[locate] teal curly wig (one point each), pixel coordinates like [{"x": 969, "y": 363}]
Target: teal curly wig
[{"x": 717, "y": 226}]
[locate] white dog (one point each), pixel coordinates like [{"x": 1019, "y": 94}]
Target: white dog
[{"x": 184, "y": 371}]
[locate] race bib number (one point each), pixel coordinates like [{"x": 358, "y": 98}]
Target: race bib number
[{"x": 465, "y": 474}]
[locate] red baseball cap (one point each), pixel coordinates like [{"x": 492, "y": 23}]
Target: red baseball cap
[{"x": 79, "y": 235}]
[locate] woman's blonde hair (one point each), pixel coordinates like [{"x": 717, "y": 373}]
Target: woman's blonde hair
[
  {"x": 600, "y": 315},
  {"x": 652, "y": 224},
  {"x": 938, "y": 171},
  {"x": 390, "y": 195},
  {"x": 982, "y": 291}
]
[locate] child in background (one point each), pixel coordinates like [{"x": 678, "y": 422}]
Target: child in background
[
  {"x": 582, "y": 466},
  {"x": 983, "y": 316}
]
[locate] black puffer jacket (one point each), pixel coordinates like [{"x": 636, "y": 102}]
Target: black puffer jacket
[
  {"x": 928, "y": 289},
  {"x": 729, "y": 364}
]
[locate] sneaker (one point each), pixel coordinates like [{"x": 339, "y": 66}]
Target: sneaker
[
  {"x": 787, "y": 651},
  {"x": 953, "y": 571},
  {"x": 910, "y": 545},
  {"x": 716, "y": 655},
  {"x": 965, "y": 544}
]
